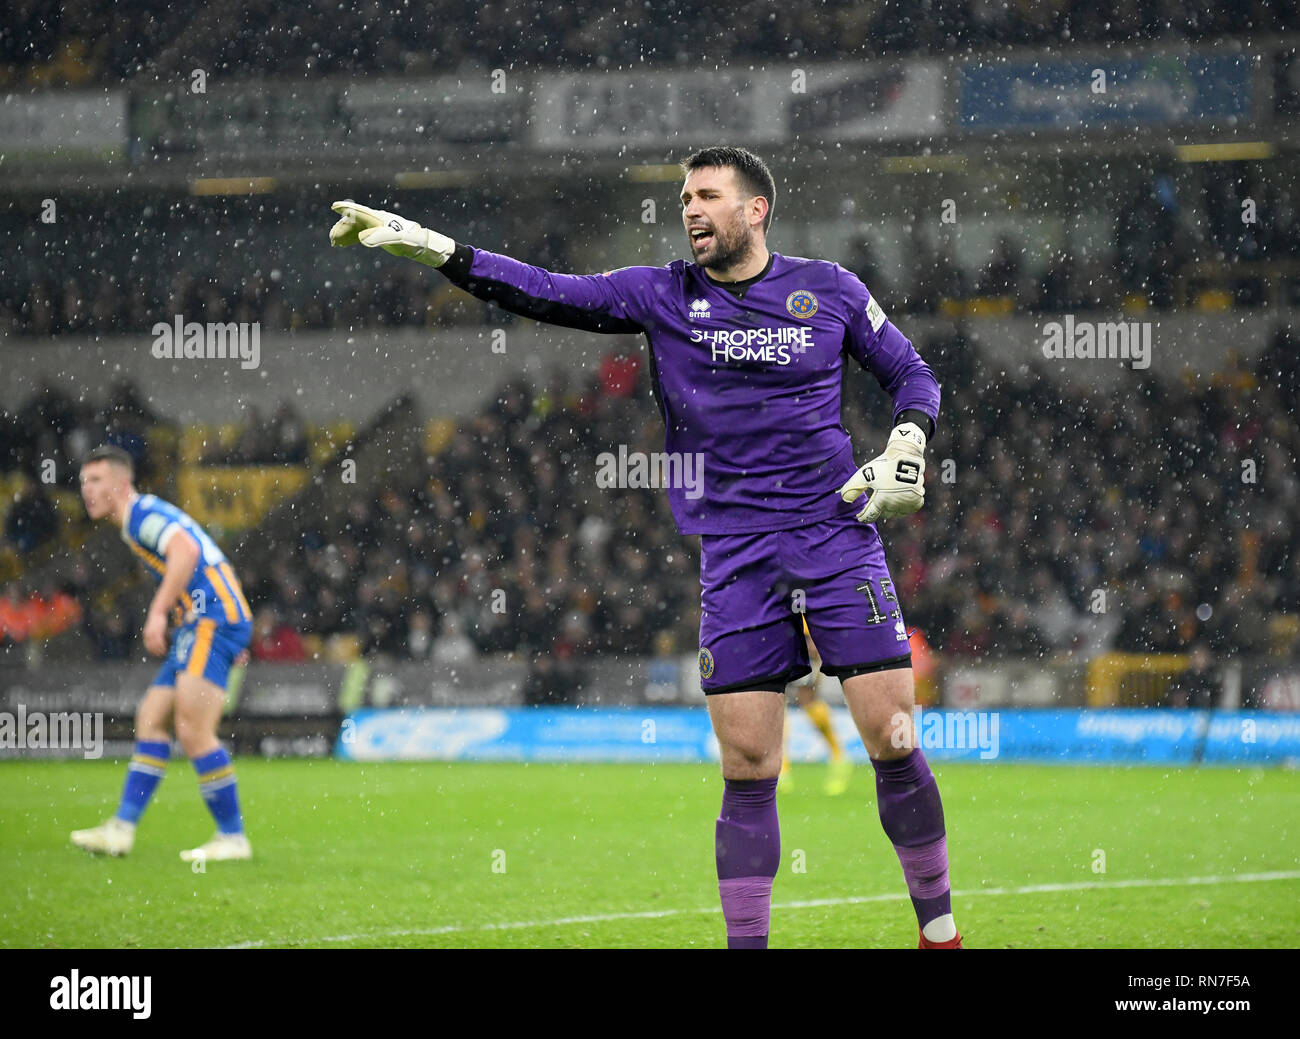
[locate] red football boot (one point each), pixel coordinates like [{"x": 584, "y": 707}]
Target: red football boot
[{"x": 951, "y": 943}]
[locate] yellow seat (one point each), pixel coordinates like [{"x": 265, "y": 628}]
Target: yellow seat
[
  {"x": 325, "y": 440},
  {"x": 991, "y": 306},
  {"x": 69, "y": 504},
  {"x": 194, "y": 442},
  {"x": 1283, "y": 633},
  {"x": 437, "y": 435},
  {"x": 342, "y": 648}
]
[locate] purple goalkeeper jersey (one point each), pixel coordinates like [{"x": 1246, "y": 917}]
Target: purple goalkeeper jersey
[{"x": 749, "y": 384}]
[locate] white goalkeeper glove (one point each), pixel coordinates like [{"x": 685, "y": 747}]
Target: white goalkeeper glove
[
  {"x": 390, "y": 232},
  {"x": 896, "y": 479}
]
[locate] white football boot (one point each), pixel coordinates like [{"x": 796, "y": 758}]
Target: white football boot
[
  {"x": 222, "y": 847},
  {"x": 114, "y": 837}
]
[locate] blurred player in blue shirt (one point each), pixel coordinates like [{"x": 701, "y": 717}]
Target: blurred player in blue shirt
[{"x": 197, "y": 588}]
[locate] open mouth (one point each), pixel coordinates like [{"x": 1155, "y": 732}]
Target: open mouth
[{"x": 701, "y": 237}]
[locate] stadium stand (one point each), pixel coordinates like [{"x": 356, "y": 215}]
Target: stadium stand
[
  {"x": 1009, "y": 563},
  {"x": 1116, "y": 528},
  {"x": 48, "y": 42},
  {"x": 1170, "y": 248}
]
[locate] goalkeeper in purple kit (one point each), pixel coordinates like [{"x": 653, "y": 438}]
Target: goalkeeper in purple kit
[{"x": 746, "y": 352}]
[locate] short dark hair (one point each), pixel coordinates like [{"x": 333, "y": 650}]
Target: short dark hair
[
  {"x": 752, "y": 173},
  {"x": 111, "y": 453}
]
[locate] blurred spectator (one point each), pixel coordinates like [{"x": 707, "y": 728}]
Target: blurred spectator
[
  {"x": 254, "y": 444},
  {"x": 288, "y": 437},
  {"x": 282, "y": 441},
  {"x": 971, "y": 637},
  {"x": 126, "y": 403},
  {"x": 110, "y": 634},
  {"x": 419, "y": 636},
  {"x": 32, "y": 520},
  {"x": 40, "y": 615},
  {"x": 17, "y": 614},
  {"x": 862, "y": 262},
  {"x": 453, "y": 647},
  {"x": 1200, "y": 685},
  {"x": 620, "y": 374},
  {"x": 543, "y": 685},
  {"x": 1001, "y": 277},
  {"x": 274, "y": 640},
  {"x": 663, "y": 672}
]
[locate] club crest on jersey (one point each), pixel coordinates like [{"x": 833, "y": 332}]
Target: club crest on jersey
[
  {"x": 801, "y": 303},
  {"x": 706, "y": 663},
  {"x": 699, "y": 308}
]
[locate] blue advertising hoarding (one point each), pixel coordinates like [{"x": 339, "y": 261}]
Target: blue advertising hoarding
[
  {"x": 663, "y": 734},
  {"x": 1160, "y": 90}
]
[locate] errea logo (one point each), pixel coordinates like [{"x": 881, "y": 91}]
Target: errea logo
[{"x": 699, "y": 308}]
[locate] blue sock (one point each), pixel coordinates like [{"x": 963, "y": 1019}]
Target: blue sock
[
  {"x": 147, "y": 767},
  {"x": 217, "y": 785}
]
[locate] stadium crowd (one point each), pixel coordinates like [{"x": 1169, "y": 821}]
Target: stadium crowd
[
  {"x": 82, "y": 41},
  {"x": 1058, "y": 493},
  {"x": 55, "y": 428},
  {"x": 505, "y": 541},
  {"x": 1174, "y": 504},
  {"x": 1164, "y": 235},
  {"x": 1058, "y": 518},
  {"x": 113, "y": 298}
]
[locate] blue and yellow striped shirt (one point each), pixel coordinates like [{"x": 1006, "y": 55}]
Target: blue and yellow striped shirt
[{"x": 214, "y": 590}]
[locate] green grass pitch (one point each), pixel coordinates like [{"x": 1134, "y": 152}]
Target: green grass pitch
[{"x": 467, "y": 855}]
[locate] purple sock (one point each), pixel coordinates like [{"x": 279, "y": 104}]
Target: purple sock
[
  {"x": 912, "y": 816},
  {"x": 749, "y": 851}
]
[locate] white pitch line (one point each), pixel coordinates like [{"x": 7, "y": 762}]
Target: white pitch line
[{"x": 850, "y": 900}]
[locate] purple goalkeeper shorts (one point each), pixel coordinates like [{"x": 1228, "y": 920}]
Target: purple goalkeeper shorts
[{"x": 755, "y": 586}]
